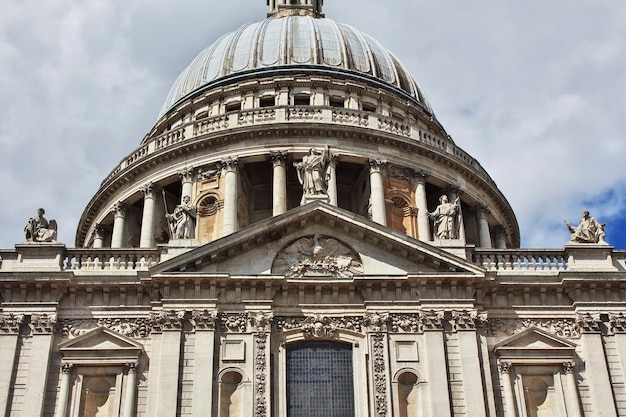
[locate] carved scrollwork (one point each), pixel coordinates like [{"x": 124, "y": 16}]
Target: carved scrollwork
[
  {"x": 588, "y": 323},
  {"x": 11, "y": 323},
  {"x": 130, "y": 327},
  {"x": 432, "y": 320},
  {"x": 405, "y": 323},
  {"x": 310, "y": 326},
  {"x": 234, "y": 322},
  {"x": 260, "y": 368},
  {"x": 43, "y": 323},
  {"x": 464, "y": 320},
  {"x": 318, "y": 327}
]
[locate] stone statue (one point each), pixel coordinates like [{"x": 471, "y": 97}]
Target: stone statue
[
  {"x": 587, "y": 231},
  {"x": 446, "y": 219},
  {"x": 40, "y": 230},
  {"x": 313, "y": 173},
  {"x": 183, "y": 220}
]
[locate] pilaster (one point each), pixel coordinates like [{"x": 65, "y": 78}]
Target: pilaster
[
  {"x": 42, "y": 327},
  {"x": 204, "y": 322},
  {"x": 432, "y": 324},
  {"x": 9, "y": 335}
]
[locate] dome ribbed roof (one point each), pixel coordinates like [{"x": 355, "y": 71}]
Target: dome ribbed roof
[{"x": 289, "y": 42}]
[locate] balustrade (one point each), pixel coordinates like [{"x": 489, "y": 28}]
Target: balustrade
[
  {"x": 89, "y": 259},
  {"x": 521, "y": 260}
]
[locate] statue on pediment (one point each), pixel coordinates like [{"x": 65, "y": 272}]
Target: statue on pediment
[
  {"x": 589, "y": 230},
  {"x": 183, "y": 220},
  {"x": 40, "y": 230},
  {"x": 313, "y": 173},
  {"x": 317, "y": 257},
  {"x": 446, "y": 219}
]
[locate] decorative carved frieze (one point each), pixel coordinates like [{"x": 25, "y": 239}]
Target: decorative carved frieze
[
  {"x": 565, "y": 328},
  {"x": 405, "y": 323},
  {"x": 204, "y": 319},
  {"x": 380, "y": 374},
  {"x": 310, "y": 326},
  {"x": 432, "y": 320},
  {"x": 234, "y": 322},
  {"x": 130, "y": 327},
  {"x": 317, "y": 256},
  {"x": 376, "y": 322},
  {"x": 617, "y": 323},
  {"x": 43, "y": 323},
  {"x": 166, "y": 320},
  {"x": 11, "y": 323}
]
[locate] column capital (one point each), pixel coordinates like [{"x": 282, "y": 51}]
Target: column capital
[
  {"x": 66, "y": 368},
  {"x": 186, "y": 174},
  {"x": 420, "y": 176},
  {"x": 376, "y": 165},
  {"x": 100, "y": 230},
  {"x": 482, "y": 211},
  {"x": 131, "y": 367},
  {"x": 43, "y": 323},
  {"x": 229, "y": 164},
  {"x": 568, "y": 367},
  {"x": 504, "y": 367},
  {"x": 119, "y": 209},
  {"x": 149, "y": 190},
  {"x": 588, "y": 323},
  {"x": 11, "y": 323},
  {"x": 204, "y": 319},
  {"x": 278, "y": 158},
  {"x": 456, "y": 190}
]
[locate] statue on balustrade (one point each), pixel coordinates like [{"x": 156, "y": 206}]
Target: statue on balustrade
[
  {"x": 587, "y": 231},
  {"x": 183, "y": 220},
  {"x": 446, "y": 218},
  {"x": 40, "y": 230},
  {"x": 313, "y": 173}
]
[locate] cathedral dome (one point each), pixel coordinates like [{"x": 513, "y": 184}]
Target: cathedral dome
[{"x": 288, "y": 42}]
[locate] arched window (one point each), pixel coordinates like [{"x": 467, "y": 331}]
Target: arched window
[{"x": 320, "y": 380}]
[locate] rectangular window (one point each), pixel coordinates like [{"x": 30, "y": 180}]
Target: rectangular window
[
  {"x": 336, "y": 102},
  {"x": 302, "y": 101},
  {"x": 233, "y": 107},
  {"x": 267, "y": 102}
]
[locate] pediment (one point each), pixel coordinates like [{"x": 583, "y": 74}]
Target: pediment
[
  {"x": 100, "y": 339},
  {"x": 533, "y": 343},
  {"x": 350, "y": 246}
]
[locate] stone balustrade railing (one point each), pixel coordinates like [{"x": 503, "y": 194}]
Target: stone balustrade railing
[
  {"x": 287, "y": 114},
  {"x": 521, "y": 260},
  {"x": 89, "y": 259}
]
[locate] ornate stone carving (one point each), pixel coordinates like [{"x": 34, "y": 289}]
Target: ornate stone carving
[
  {"x": 11, "y": 323},
  {"x": 235, "y": 323},
  {"x": 131, "y": 367},
  {"x": 380, "y": 374},
  {"x": 130, "y": 327},
  {"x": 278, "y": 158},
  {"x": 464, "y": 320},
  {"x": 587, "y": 231},
  {"x": 568, "y": 367},
  {"x": 588, "y": 323},
  {"x": 204, "y": 319},
  {"x": 313, "y": 174},
  {"x": 43, "y": 323},
  {"x": 317, "y": 257},
  {"x": 318, "y": 327},
  {"x": 40, "y": 230},
  {"x": 376, "y": 322},
  {"x": 565, "y": 328},
  {"x": 261, "y": 322},
  {"x": 446, "y": 218},
  {"x": 504, "y": 367},
  {"x": 354, "y": 324},
  {"x": 229, "y": 164},
  {"x": 66, "y": 368},
  {"x": 407, "y": 323},
  {"x": 432, "y": 320},
  {"x": 167, "y": 320},
  {"x": 617, "y": 323}
]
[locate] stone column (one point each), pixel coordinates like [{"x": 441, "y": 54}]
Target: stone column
[
  {"x": 131, "y": 389},
  {"x": 64, "y": 393},
  {"x": 42, "y": 326},
  {"x": 572, "y": 402},
  {"x": 186, "y": 178},
  {"x": 9, "y": 336},
  {"x": 202, "y": 397},
  {"x": 483, "y": 228},
  {"x": 510, "y": 410},
  {"x": 421, "y": 202},
  {"x": 332, "y": 181},
  {"x": 230, "y": 167},
  {"x": 377, "y": 192},
  {"x": 165, "y": 363},
  {"x": 119, "y": 224},
  {"x": 147, "y": 223},
  {"x": 279, "y": 187},
  {"x": 500, "y": 237},
  {"x": 98, "y": 236},
  {"x": 454, "y": 194},
  {"x": 596, "y": 367}
]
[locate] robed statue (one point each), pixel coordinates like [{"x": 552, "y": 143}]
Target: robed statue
[
  {"x": 39, "y": 229},
  {"x": 587, "y": 231},
  {"x": 183, "y": 220},
  {"x": 313, "y": 173},
  {"x": 446, "y": 219}
]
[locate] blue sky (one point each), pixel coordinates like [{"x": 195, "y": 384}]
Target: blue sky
[{"x": 534, "y": 90}]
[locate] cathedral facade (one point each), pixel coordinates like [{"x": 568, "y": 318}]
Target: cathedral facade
[{"x": 298, "y": 236}]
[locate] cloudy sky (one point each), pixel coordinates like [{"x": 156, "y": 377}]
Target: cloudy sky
[{"x": 535, "y": 90}]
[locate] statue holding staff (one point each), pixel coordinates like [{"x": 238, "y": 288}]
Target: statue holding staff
[{"x": 183, "y": 220}]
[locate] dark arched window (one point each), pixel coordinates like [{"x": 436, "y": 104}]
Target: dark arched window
[{"x": 320, "y": 380}]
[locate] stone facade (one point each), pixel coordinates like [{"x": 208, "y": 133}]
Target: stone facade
[{"x": 396, "y": 288}]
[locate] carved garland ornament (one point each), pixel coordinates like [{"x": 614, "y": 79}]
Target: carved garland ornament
[
  {"x": 380, "y": 374},
  {"x": 261, "y": 323},
  {"x": 317, "y": 257}
]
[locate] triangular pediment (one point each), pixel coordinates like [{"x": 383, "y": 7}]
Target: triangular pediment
[
  {"x": 534, "y": 342},
  {"x": 348, "y": 241},
  {"x": 100, "y": 339}
]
